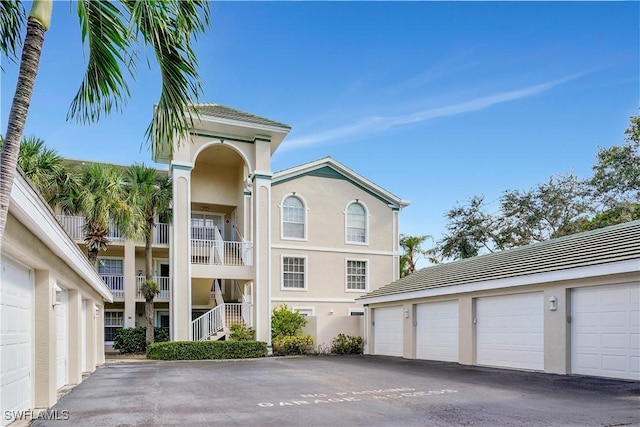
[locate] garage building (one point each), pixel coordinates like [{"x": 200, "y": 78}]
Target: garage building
[
  {"x": 51, "y": 309},
  {"x": 566, "y": 306}
]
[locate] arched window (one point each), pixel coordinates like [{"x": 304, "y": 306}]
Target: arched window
[
  {"x": 356, "y": 223},
  {"x": 293, "y": 218}
]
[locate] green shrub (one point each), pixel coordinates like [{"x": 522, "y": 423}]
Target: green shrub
[
  {"x": 285, "y": 322},
  {"x": 288, "y": 345},
  {"x": 133, "y": 340},
  {"x": 206, "y": 350},
  {"x": 347, "y": 344},
  {"x": 241, "y": 332}
]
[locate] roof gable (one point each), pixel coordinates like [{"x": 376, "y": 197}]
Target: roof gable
[
  {"x": 332, "y": 169},
  {"x": 603, "y": 246}
]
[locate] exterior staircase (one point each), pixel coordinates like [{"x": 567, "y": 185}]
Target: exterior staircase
[{"x": 215, "y": 324}]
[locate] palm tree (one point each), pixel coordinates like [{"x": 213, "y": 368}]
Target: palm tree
[
  {"x": 102, "y": 199},
  {"x": 45, "y": 169},
  {"x": 112, "y": 31},
  {"x": 151, "y": 195},
  {"x": 412, "y": 246}
]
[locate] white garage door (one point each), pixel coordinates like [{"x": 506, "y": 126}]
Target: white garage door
[
  {"x": 510, "y": 331},
  {"x": 83, "y": 336},
  {"x": 16, "y": 302},
  {"x": 437, "y": 331},
  {"x": 387, "y": 331},
  {"x": 605, "y": 331},
  {"x": 62, "y": 340}
]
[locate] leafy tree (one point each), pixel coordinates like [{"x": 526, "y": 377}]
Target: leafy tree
[
  {"x": 553, "y": 209},
  {"x": 285, "y": 322},
  {"x": 617, "y": 215},
  {"x": 616, "y": 175},
  {"x": 150, "y": 196},
  {"x": 412, "y": 247},
  {"x": 470, "y": 229},
  {"x": 547, "y": 211},
  {"x": 113, "y": 32}
]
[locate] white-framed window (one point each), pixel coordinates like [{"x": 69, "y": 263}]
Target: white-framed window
[
  {"x": 113, "y": 320},
  {"x": 294, "y": 218},
  {"x": 111, "y": 266},
  {"x": 357, "y": 275},
  {"x": 356, "y": 223},
  {"x": 304, "y": 311},
  {"x": 112, "y": 272},
  {"x": 356, "y": 312},
  {"x": 294, "y": 273}
]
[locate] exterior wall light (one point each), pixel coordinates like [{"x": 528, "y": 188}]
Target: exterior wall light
[
  {"x": 553, "y": 303},
  {"x": 56, "y": 295}
]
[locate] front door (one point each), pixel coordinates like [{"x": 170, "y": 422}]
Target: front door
[{"x": 203, "y": 224}]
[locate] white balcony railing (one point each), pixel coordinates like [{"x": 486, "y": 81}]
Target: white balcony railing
[
  {"x": 208, "y": 324},
  {"x": 163, "y": 283},
  {"x": 161, "y": 234},
  {"x": 219, "y": 318},
  {"x": 74, "y": 225},
  {"x": 115, "y": 282},
  {"x": 219, "y": 252}
]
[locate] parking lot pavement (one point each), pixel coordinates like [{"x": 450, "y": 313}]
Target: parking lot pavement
[{"x": 336, "y": 391}]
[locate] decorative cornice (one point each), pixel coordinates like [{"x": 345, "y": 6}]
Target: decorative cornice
[{"x": 181, "y": 166}]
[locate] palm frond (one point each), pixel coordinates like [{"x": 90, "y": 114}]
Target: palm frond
[
  {"x": 104, "y": 87},
  {"x": 169, "y": 28},
  {"x": 12, "y": 19}
]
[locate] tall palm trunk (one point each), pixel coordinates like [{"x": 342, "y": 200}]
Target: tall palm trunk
[
  {"x": 33, "y": 42},
  {"x": 148, "y": 271}
]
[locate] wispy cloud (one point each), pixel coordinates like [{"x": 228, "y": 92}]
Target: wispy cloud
[{"x": 381, "y": 123}]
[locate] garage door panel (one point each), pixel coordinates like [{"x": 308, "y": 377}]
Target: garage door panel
[
  {"x": 605, "y": 331},
  {"x": 510, "y": 331},
  {"x": 437, "y": 331},
  {"x": 388, "y": 331},
  {"x": 62, "y": 337},
  {"x": 16, "y": 298}
]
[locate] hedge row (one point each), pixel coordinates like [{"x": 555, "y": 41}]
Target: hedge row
[
  {"x": 134, "y": 340},
  {"x": 206, "y": 350}
]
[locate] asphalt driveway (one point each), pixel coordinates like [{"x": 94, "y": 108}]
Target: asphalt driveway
[{"x": 336, "y": 391}]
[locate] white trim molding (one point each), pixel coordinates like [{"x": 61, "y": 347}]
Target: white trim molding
[
  {"x": 293, "y": 299},
  {"x": 355, "y": 251}
]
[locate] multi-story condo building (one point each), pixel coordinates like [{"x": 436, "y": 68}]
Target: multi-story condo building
[{"x": 244, "y": 240}]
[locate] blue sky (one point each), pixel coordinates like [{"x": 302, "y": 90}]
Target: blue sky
[{"x": 434, "y": 101}]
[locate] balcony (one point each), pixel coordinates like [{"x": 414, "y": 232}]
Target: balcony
[
  {"x": 220, "y": 252},
  {"x": 163, "y": 283},
  {"x": 115, "y": 282},
  {"x": 74, "y": 225}
]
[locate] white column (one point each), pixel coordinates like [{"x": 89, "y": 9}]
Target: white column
[
  {"x": 180, "y": 253},
  {"x": 130, "y": 282}
]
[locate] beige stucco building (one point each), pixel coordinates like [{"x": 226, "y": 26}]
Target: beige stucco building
[
  {"x": 51, "y": 308},
  {"x": 244, "y": 239},
  {"x": 566, "y": 306}
]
